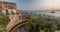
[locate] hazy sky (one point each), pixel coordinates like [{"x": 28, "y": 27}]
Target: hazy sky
[{"x": 36, "y": 4}]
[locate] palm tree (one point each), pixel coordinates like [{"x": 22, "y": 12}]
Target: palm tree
[
  {"x": 50, "y": 24},
  {"x": 33, "y": 25},
  {"x": 38, "y": 24},
  {"x": 58, "y": 25}
]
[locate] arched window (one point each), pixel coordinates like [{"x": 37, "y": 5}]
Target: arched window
[
  {"x": 0, "y": 11},
  {"x": 7, "y": 13},
  {"x": 19, "y": 17},
  {"x": 12, "y": 12}
]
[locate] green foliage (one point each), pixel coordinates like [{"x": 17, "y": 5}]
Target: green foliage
[
  {"x": 3, "y": 22},
  {"x": 44, "y": 23},
  {"x": 4, "y": 19},
  {"x": 2, "y": 28}
]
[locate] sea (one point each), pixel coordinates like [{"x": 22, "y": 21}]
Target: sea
[{"x": 52, "y": 13}]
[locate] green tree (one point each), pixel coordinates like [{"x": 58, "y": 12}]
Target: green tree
[
  {"x": 42, "y": 23},
  {"x": 4, "y": 20},
  {"x": 50, "y": 25}
]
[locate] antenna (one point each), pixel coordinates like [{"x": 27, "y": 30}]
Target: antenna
[{"x": 52, "y": 8}]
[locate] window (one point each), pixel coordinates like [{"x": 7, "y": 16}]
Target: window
[
  {"x": 0, "y": 12},
  {"x": 0, "y": 4},
  {"x": 12, "y": 12},
  {"x": 7, "y": 13},
  {"x": 19, "y": 17}
]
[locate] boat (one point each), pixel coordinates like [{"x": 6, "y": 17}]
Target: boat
[{"x": 52, "y": 11}]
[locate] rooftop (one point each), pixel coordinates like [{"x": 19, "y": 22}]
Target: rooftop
[{"x": 8, "y": 2}]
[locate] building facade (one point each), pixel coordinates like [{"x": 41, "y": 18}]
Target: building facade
[
  {"x": 7, "y": 7},
  {"x": 10, "y": 9}
]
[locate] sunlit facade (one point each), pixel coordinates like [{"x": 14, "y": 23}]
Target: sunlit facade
[{"x": 10, "y": 9}]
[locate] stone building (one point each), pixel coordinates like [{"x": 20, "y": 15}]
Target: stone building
[
  {"x": 10, "y": 9},
  {"x": 7, "y": 7}
]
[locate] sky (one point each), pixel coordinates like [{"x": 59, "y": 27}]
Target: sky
[{"x": 36, "y": 4}]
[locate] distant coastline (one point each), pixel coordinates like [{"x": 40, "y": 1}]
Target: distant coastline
[{"x": 57, "y": 12}]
